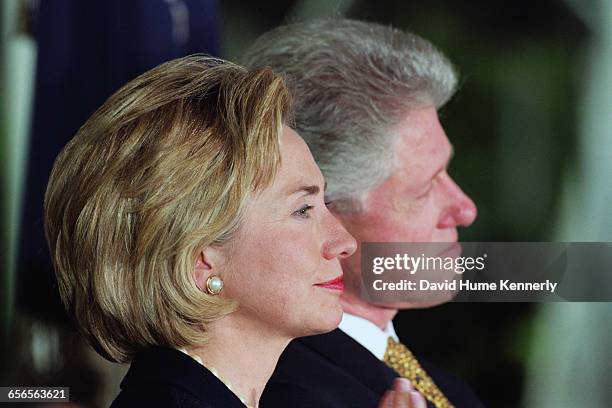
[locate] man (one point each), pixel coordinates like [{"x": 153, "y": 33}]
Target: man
[{"x": 366, "y": 100}]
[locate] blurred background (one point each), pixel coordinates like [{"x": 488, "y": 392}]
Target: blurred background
[{"x": 532, "y": 130}]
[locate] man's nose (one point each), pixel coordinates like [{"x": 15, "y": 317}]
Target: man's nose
[{"x": 460, "y": 210}]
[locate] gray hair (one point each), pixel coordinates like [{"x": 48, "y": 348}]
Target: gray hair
[{"x": 351, "y": 82}]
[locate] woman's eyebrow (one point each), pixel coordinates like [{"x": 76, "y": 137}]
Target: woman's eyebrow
[{"x": 307, "y": 189}]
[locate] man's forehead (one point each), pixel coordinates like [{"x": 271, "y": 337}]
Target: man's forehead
[
  {"x": 423, "y": 146},
  {"x": 419, "y": 126},
  {"x": 416, "y": 160}
]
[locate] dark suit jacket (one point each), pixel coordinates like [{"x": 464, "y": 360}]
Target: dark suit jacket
[
  {"x": 334, "y": 371},
  {"x": 164, "y": 377}
]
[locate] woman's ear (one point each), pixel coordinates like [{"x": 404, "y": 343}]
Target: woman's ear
[{"x": 204, "y": 267}]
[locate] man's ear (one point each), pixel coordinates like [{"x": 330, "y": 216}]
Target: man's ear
[{"x": 206, "y": 265}]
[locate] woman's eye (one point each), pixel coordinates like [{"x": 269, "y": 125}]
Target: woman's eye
[
  {"x": 303, "y": 211},
  {"x": 328, "y": 203}
]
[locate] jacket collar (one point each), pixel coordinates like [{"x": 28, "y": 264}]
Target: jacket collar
[
  {"x": 167, "y": 366},
  {"x": 353, "y": 358}
]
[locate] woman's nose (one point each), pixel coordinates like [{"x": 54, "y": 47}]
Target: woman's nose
[{"x": 340, "y": 243}]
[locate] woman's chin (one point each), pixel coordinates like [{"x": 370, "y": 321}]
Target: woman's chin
[{"x": 328, "y": 321}]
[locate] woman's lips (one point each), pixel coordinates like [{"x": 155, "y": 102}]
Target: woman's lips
[{"x": 335, "y": 284}]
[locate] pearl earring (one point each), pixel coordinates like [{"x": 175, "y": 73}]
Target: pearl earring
[{"x": 214, "y": 284}]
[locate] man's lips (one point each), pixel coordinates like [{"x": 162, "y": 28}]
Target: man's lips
[{"x": 334, "y": 284}]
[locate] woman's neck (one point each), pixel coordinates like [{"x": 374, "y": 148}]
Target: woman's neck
[{"x": 242, "y": 356}]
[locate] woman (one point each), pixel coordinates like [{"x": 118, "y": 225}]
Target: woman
[{"x": 189, "y": 234}]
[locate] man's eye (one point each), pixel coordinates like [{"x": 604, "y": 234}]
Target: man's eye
[
  {"x": 426, "y": 193},
  {"x": 303, "y": 211}
]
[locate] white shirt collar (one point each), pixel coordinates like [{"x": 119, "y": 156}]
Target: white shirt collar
[{"x": 367, "y": 333}]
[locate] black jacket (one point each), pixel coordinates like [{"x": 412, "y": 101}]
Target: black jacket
[
  {"x": 165, "y": 377},
  {"x": 334, "y": 371}
]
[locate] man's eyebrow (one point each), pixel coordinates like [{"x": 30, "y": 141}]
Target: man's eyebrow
[
  {"x": 447, "y": 162},
  {"x": 451, "y": 154}
]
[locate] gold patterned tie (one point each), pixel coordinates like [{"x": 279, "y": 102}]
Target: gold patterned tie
[{"x": 399, "y": 358}]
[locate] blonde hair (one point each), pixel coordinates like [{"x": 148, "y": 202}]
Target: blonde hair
[{"x": 163, "y": 169}]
